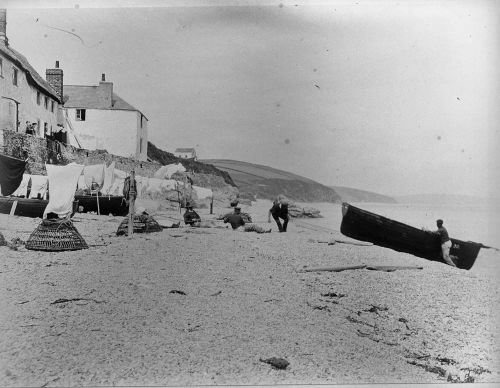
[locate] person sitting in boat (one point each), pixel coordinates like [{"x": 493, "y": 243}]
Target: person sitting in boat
[
  {"x": 445, "y": 242},
  {"x": 191, "y": 218}
]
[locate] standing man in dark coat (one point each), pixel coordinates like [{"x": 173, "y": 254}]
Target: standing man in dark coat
[{"x": 279, "y": 210}]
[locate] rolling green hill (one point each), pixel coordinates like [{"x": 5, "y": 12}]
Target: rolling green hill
[
  {"x": 349, "y": 194},
  {"x": 257, "y": 181}
]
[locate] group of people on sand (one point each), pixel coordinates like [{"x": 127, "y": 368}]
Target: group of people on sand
[{"x": 279, "y": 211}]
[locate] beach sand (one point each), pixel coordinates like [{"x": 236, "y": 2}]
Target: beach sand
[{"x": 202, "y": 306}]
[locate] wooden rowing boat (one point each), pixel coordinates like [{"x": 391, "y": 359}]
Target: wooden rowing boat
[
  {"x": 366, "y": 226},
  {"x": 26, "y": 207}
]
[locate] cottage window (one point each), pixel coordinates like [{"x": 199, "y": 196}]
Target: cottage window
[
  {"x": 140, "y": 146},
  {"x": 38, "y": 126},
  {"x": 1, "y": 68},
  {"x": 45, "y": 129},
  {"x": 38, "y": 98},
  {"x": 14, "y": 76},
  {"x": 47, "y": 103},
  {"x": 52, "y": 106},
  {"x": 80, "y": 114}
]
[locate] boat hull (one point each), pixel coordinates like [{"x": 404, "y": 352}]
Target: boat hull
[
  {"x": 114, "y": 205},
  {"x": 25, "y": 207},
  {"x": 366, "y": 226}
]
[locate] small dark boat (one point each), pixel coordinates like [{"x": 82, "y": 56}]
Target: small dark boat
[
  {"x": 366, "y": 226},
  {"x": 24, "y": 207},
  {"x": 27, "y": 207},
  {"x": 108, "y": 204}
]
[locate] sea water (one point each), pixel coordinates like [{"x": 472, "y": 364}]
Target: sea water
[{"x": 479, "y": 222}]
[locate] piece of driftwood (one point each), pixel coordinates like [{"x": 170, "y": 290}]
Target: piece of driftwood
[
  {"x": 391, "y": 268},
  {"x": 333, "y": 269},
  {"x": 334, "y": 241},
  {"x": 386, "y": 268}
]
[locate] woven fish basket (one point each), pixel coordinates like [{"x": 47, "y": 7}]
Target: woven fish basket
[
  {"x": 143, "y": 223},
  {"x": 56, "y": 235}
]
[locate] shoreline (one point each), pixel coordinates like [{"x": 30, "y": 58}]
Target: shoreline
[{"x": 244, "y": 299}]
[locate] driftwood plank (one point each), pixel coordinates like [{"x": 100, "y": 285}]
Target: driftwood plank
[
  {"x": 391, "y": 268},
  {"x": 334, "y": 241},
  {"x": 333, "y": 269}
]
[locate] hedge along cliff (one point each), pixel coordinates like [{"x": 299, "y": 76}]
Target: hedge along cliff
[{"x": 39, "y": 151}]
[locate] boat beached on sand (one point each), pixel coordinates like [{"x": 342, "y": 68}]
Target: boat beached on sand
[{"x": 366, "y": 226}]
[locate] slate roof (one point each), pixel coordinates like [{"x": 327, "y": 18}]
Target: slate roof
[
  {"x": 86, "y": 97},
  {"x": 31, "y": 74}
]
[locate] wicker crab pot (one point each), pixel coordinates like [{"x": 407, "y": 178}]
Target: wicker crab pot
[
  {"x": 56, "y": 235},
  {"x": 143, "y": 223}
]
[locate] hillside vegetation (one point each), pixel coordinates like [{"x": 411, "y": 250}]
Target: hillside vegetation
[
  {"x": 355, "y": 195},
  {"x": 257, "y": 181},
  {"x": 163, "y": 157}
]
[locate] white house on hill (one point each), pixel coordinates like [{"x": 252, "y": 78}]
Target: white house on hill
[
  {"x": 28, "y": 103},
  {"x": 185, "y": 153},
  {"x": 103, "y": 120}
]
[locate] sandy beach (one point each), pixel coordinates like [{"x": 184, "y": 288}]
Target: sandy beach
[{"x": 203, "y": 306}]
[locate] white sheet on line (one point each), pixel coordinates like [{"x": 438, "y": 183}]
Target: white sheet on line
[
  {"x": 94, "y": 174},
  {"x": 109, "y": 177},
  {"x": 38, "y": 186},
  {"x": 81, "y": 183},
  {"x": 202, "y": 192},
  {"x": 22, "y": 190},
  {"x": 166, "y": 172},
  {"x": 62, "y": 181}
]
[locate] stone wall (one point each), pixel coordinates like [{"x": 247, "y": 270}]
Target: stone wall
[{"x": 39, "y": 151}]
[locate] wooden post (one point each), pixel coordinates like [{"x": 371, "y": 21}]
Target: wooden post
[
  {"x": 131, "y": 204},
  {"x": 212, "y": 205},
  {"x": 98, "y": 208},
  {"x": 178, "y": 196}
]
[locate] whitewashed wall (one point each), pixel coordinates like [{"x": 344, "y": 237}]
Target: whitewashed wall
[{"x": 117, "y": 131}]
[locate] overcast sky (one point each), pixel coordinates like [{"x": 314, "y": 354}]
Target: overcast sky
[{"x": 393, "y": 97}]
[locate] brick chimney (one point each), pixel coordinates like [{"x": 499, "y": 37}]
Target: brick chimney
[
  {"x": 55, "y": 79},
  {"x": 3, "y": 26},
  {"x": 105, "y": 92}
]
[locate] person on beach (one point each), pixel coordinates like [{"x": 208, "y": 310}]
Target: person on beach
[
  {"x": 445, "y": 242},
  {"x": 277, "y": 211},
  {"x": 236, "y": 220},
  {"x": 191, "y": 218}
]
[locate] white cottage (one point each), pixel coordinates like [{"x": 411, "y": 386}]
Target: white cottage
[
  {"x": 28, "y": 103},
  {"x": 186, "y": 153},
  {"x": 103, "y": 120}
]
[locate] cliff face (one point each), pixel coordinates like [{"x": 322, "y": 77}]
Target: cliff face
[{"x": 257, "y": 181}]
